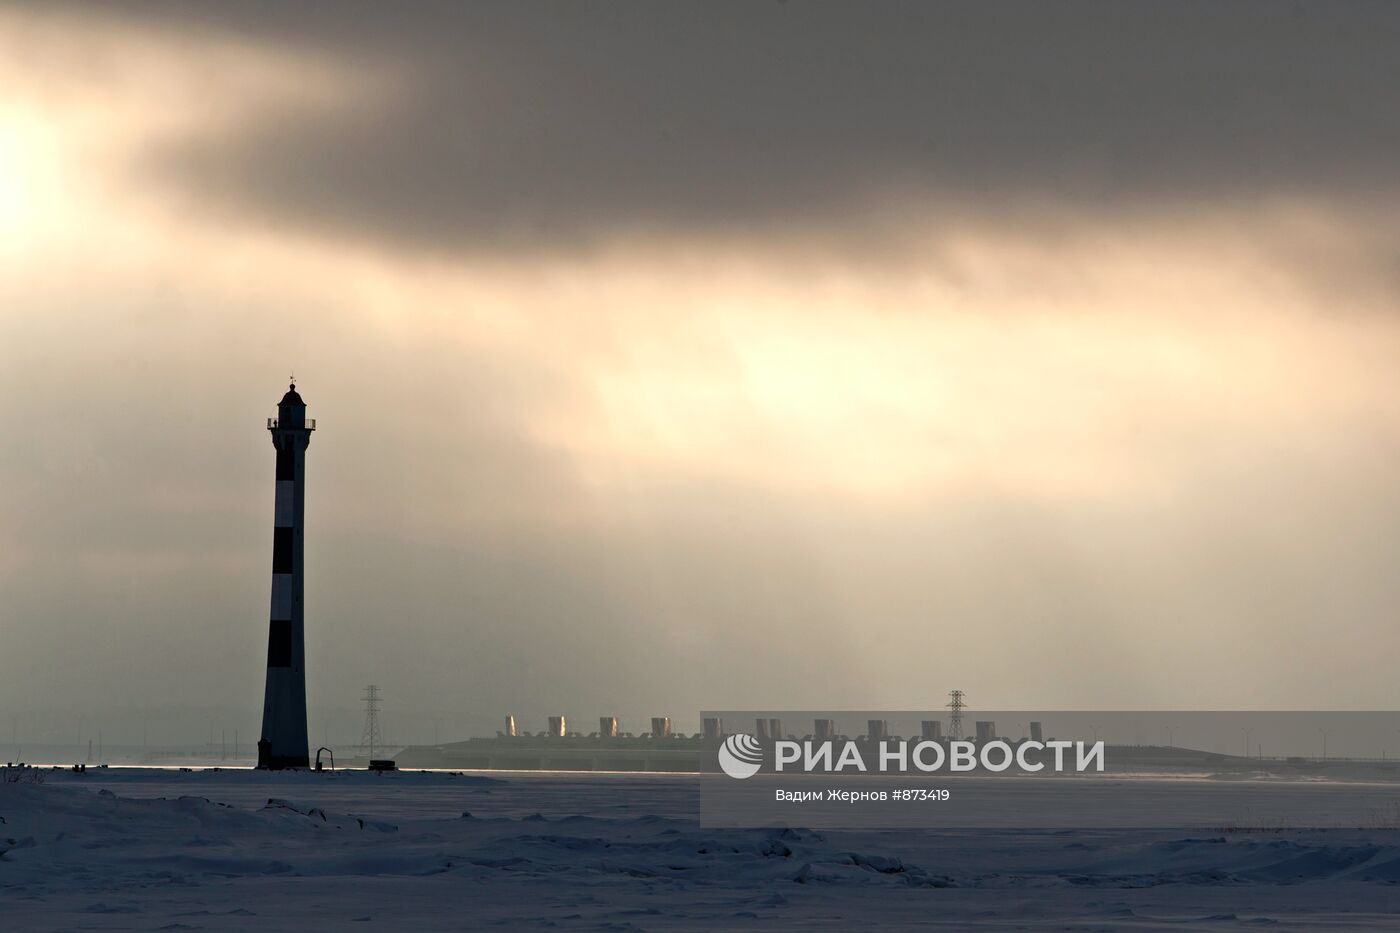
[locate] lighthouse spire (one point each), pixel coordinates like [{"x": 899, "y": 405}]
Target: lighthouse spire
[{"x": 283, "y": 743}]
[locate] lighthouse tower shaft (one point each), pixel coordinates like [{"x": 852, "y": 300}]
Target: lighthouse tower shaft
[{"x": 283, "y": 743}]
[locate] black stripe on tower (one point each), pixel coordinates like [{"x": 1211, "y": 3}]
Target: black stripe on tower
[
  {"x": 286, "y": 462},
  {"x": 279, "y": 643},
  {"x": 282, "y": 550}
]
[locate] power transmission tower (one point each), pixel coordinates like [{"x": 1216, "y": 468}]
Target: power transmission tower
[
  {"x": 371, "y": 736},
  {"x": 955, "y": 703}
]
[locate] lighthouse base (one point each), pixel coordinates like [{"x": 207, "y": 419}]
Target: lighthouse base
[{"x": 270, "y": 762}]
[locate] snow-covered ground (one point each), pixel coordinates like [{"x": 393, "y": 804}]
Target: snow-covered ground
[{"x": 146, "y": 849}]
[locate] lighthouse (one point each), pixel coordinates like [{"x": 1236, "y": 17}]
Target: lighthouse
[{"x": 283, "y": 743}]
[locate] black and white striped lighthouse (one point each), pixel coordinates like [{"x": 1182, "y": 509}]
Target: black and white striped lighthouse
[{"x": 283, "y": 743}]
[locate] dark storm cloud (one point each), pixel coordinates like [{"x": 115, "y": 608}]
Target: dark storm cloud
[{"x": 550, "y": 124}]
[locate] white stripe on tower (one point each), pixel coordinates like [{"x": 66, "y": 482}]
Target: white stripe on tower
[
  {"x": 282, "y": 596},
  {"x": 286, "y": 496}
]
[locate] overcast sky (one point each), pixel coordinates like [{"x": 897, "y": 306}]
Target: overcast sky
[{"x": 671, "y": 356}]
